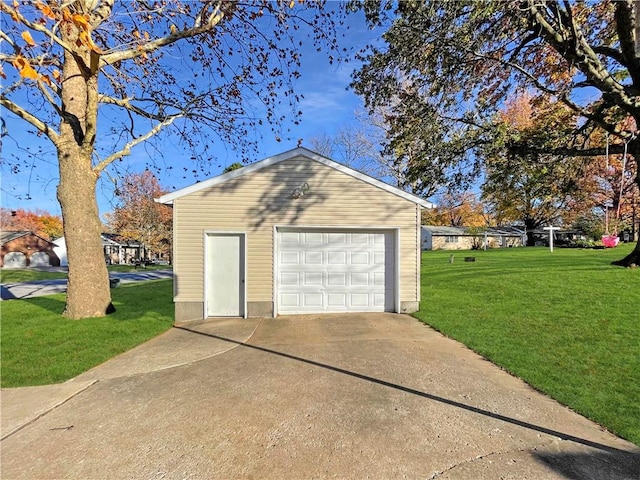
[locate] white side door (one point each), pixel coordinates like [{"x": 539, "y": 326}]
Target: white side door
[{"x": 225, "y": 275}]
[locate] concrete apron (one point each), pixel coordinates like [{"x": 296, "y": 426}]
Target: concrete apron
[{"x": 348, "y": 396}]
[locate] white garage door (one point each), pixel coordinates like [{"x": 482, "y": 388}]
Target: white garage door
[
  {"x": 39, "y": 259},
  {"x": 335, "y": 271},
  {"x": 15, "y": 260}
]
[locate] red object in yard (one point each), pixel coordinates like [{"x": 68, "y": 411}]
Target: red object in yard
[{"x": 610, "y": 241}]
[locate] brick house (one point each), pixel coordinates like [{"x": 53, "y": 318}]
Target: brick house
[{"x": 26, "y": 249}]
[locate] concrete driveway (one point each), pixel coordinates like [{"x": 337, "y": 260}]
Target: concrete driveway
[{"x": 335, "y": 396}]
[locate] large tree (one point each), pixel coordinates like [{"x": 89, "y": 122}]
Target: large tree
[
  {"x": 100, "y": 77},
  {"x": 453, "y": 64},
  {"x": 530, "y": 186}
]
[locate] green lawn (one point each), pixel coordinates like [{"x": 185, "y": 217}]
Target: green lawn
[
  {"x": 40, "y": 346},
  {"x": 566, "y": 322},
  {"x": 17, "y": 275}
]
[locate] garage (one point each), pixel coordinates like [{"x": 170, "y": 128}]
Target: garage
[
  {"x": 296, "y": 233},
  {"x": 23, "y": 248},
  {"x": 334, "y": 270}
]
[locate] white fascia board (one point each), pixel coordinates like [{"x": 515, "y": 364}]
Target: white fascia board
[
  {"x": 225, "y": 177},
  {"x": 296, "y": 152}
]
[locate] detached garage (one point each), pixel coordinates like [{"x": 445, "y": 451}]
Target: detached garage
[{"x": 294, "y": 233}]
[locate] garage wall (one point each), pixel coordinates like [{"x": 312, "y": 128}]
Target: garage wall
[{"x": 257, "y": 202}]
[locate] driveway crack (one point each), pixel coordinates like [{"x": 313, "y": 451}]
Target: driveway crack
[{"x": 490, "y": 454}]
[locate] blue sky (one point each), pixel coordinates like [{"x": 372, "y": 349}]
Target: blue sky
[{"x": 328, "y": 105}]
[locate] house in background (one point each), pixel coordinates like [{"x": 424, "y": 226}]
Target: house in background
[
  {"x": 294, "y": 233},
  {"x": 117, "y": 250},
  {"x": 465, "y": 238},
  {"x": 22, "y": 249}
]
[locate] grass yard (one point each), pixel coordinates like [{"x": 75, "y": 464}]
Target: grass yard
[
  {"x": 40, "y": 346},
  {"x": 18, "y": 275},
  {"x": 566, "y": 322}
]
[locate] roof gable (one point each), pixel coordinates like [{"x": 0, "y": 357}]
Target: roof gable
[
  {"x": 7, "y": 236},
  {"x": 296, "y": 152}
]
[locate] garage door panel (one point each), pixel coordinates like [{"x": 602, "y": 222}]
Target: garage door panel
[
  {"x": 312, "y": 300},
  {"x": 360, "y": 238},
  {"x": 379, "y": 279},
  {"x": 290, "y": 278},
  {"x": 313, "y": 279},
  {"x": 312, "y": 238},
  {"x": 379, "y": 299},
  {"x": 289, "y": 257},
  {"x": 289, "y": 300},
  {"x": 360, "y": 258},
  {"x": 289, "y": 238},
  {"x": 337, "y": 299},
  {"x": 359, "y": 279},
  {"x": 313, "y": 258},
  {"x": 336, "y": 238},
  {"x": 336, "y": 279},
  {"x": 334, "y": 271},
  {"x": 360, "y": 300},
  {"x": 337, "y": 258}
]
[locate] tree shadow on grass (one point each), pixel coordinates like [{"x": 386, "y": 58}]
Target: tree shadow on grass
[{"x": 52, "y": 303}]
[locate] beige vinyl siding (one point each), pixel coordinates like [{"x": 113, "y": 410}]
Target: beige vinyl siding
[{"x": 257, "y": 202}]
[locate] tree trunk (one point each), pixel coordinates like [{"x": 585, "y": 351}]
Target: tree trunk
[
  {"x": 529, "y": 226},
  {"x": 634, "y": 257},
  {"x": 88, "y": 291}
]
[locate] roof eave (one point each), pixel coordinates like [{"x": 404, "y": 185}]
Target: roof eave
[{"x": 169, "y": 198}]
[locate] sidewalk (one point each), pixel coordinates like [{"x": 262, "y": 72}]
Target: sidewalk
[
  {"x": 14, "y": 291},
  {"x": 23, "y": 405}
]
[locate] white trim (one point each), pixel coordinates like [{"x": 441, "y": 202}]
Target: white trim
[
  {"x": 175, "y": 267},
  {"x": 296, "y": 152},
  {"x": 418, "y": 254},
  {"x": 243, "y": 242},
  {"x": 274, "y": 273},
  {"x": 394, "y": 231},
  {"x": 336, "y": 228},
  {"x": 397, "y": 286}
]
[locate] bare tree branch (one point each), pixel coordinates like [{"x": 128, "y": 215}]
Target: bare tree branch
[
  {"x": 126, "y": 104},
  {"x": 126, "y": 150},
  {"x": 139, "y": 50},
  {"x": 584, "y": 56},
  {"x": 624, "y": 15},
  {"x": 32, "y": 119}
]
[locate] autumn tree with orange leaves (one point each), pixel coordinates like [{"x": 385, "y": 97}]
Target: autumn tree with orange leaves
[
  {"x": 41, "y": 222},
  {"x": 458, "y": 210},
  {"x": 98, "y": 78},
  {"x": 531, "y": 187},
  {"x": 138, "y": 217}
]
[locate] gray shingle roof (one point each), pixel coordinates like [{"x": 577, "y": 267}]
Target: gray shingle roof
[{"x": 7, "y": 236}]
